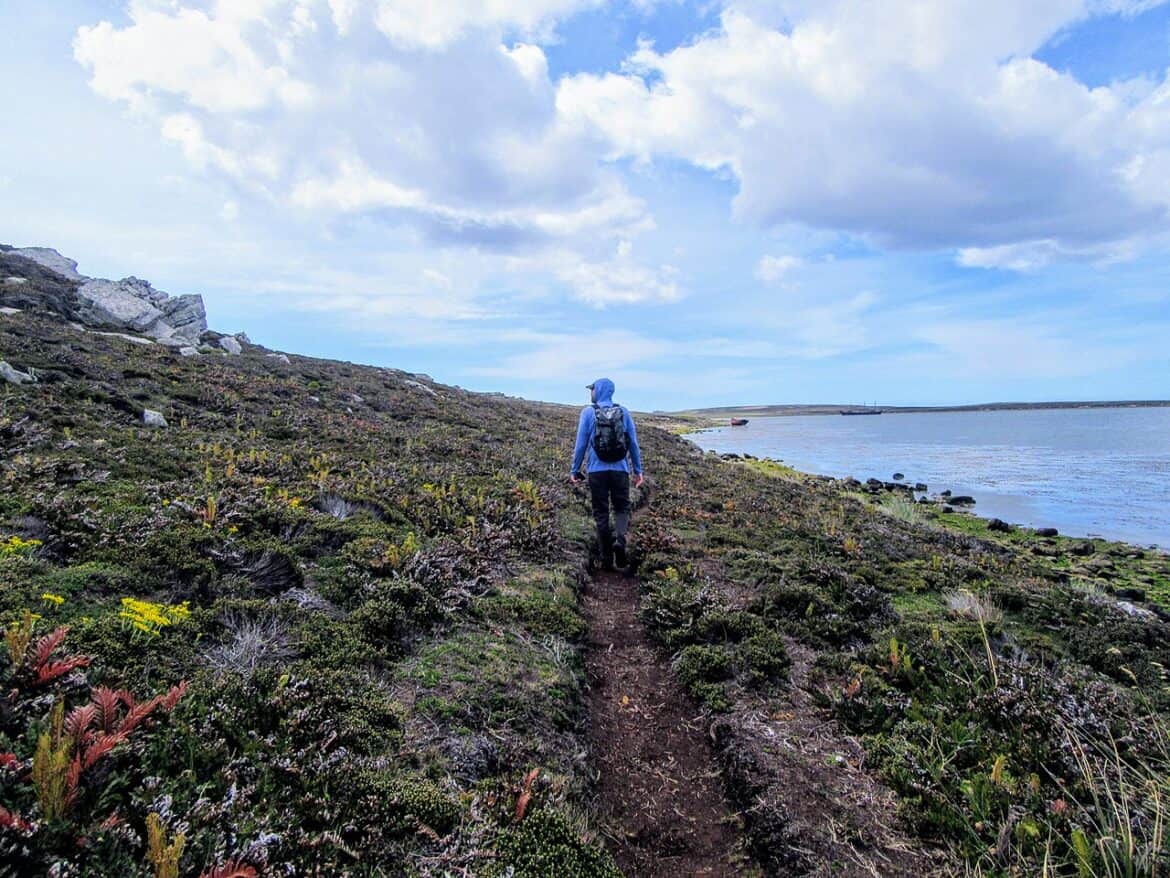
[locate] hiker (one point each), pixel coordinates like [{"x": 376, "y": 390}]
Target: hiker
[{"x": 606, "y": 432}]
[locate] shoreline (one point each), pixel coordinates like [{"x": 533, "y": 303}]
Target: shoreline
[{"x": 947, "y": 512}]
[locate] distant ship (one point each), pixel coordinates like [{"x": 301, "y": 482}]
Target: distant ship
[{"x": 738, "y": 422}]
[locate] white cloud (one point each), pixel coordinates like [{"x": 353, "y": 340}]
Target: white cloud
[
  {"x": 436, "y": 278},
  {"x": 771, "y": 268},
  {"x": 617, "y": 280},
  {"x": 230, "y": 212},
  {"x": 416, "y": 114},
  {"x": 565, "y": 357},
  {"x": 428, "y": 24},
  {"x": 1033, "y": 255},
  {"x": 1025, "y": 348},
  {"x": 200, "y": 58},
  {"x": 919, "y": 125}
]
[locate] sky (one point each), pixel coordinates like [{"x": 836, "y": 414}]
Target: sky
[{"x": 711, "y": 203}]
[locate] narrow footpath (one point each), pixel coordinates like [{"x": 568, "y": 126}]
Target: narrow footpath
[{"x": 662, "y": 806}]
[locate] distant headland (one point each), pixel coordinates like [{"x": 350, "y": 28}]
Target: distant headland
[{"x": 774, "y": 411}]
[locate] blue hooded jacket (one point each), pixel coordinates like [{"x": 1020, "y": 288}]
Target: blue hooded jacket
[{"x": 603, "y": 393}]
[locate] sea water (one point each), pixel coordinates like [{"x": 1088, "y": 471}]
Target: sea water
[{"x": 1085, "y": 471}]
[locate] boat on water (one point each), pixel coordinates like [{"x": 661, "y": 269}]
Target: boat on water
[{"x": 738, "y": 422}]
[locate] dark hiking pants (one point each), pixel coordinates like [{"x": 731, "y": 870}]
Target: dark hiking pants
[{"x": 606, "y": 487}]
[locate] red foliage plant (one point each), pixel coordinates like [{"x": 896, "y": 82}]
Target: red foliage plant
[
  {"x": 44, "y": 667},
  {"x": 94, "y": 729},
  {"x": 12, "y": 820},
  {"x": 230, "y": 869},
  {"x": 110, "y": 717}
]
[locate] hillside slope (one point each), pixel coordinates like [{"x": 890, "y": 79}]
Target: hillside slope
[{"x": 368, "y": 589}]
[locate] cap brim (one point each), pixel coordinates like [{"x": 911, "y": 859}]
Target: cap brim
[{"x": 588, "y": 386}]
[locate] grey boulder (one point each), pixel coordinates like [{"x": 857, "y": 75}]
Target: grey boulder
[
  {"x": 13, "y": 376},
  {"x": 153, "y": 419}
]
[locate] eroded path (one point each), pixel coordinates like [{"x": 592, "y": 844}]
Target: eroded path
[{"x": 661, "y": 798}]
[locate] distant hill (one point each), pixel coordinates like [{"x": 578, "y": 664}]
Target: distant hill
[{"x": 782, "y": 410}]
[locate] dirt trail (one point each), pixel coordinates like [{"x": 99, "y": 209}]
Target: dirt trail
[{"x": 662, "y": 802}]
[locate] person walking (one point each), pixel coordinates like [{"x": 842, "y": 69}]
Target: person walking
[{"x": 608, "y": 443}]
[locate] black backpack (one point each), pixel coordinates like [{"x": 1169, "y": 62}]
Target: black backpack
[{"x": 609, "y": 438}]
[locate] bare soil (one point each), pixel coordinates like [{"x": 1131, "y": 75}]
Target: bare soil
[{"x": 661, "y": 801}]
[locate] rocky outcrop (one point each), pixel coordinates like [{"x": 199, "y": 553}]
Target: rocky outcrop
[
  {"x": 52, "y": 283},
  {"x": 134, "y": 304},
  {"x": 50, "y": 259}
]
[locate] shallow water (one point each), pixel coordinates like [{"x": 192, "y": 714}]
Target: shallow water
[{"x": 1088, "y": 472}]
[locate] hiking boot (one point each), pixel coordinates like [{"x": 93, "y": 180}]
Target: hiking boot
[{"x": 619, "y": 554}]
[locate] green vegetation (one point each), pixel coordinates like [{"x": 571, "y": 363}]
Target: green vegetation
[
  {"x": 358, "y": 581},
  {"x": 352, "y": 598},
  {"x": 1010, "y": 688}
]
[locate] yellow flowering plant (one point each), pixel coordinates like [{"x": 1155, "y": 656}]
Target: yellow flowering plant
[{"x": 150, "y": 618}]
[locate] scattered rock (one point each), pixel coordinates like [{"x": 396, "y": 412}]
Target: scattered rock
[
  {"x": 1045, "y": 551},
  {"x": 962, "y": 500},
  {"x": 231, "y": 344},
  {"x": 946, "y": 493},
  {"x": 356, "y": 399},
  {"x": 1133, "y": 610},
  {"x": 14, "y": 376},
  {"x": 283, "y": 358},
  {"x": 420, "y": 386},
  {"x": 189, "y": 351},
  {"x": 133, "y": 339},
  {"x": 153, "y": 419},
  {"x": 1082, "y": 549},
  {"x": 898, "y": 477},
  {"x": 15, "y": 281},
  {"x": 1000, "y": 526},
  {"x": 1047, "y": 532},
  {"x": 9, "y": 311},
  {"x": 921, "y": 486}
]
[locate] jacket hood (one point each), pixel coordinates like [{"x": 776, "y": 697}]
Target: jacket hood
[{"x": 603, "y": 391}]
